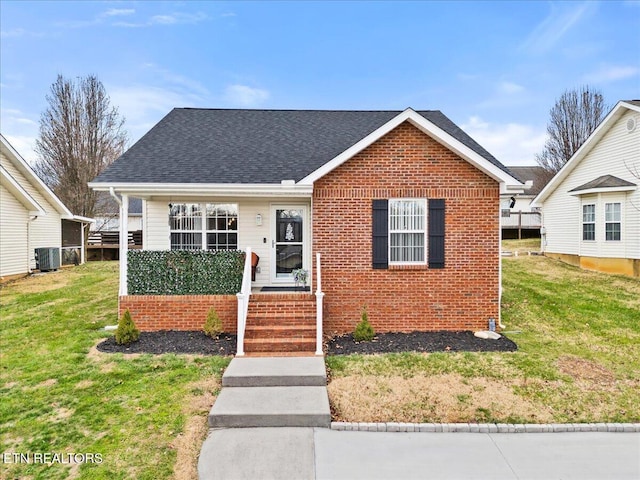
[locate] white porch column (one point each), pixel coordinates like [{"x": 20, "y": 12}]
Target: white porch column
[
  {"x": 124, "y": 242},
  {"x": 82, "y": 245}
]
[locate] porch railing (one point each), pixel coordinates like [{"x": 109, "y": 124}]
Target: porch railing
[
  {"x": 319, "y": 297},
  {"x": 243, "y": 301}
]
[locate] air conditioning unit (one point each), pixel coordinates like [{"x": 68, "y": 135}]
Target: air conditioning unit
[{"x": 47, "y": 259}]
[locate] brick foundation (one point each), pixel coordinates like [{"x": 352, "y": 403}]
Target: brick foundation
[
  {"x": 407, "y": 164},
  {"x": 151, "y": 313}
]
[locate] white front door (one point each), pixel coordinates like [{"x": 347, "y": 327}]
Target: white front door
[{"x": 288, "y": 237}]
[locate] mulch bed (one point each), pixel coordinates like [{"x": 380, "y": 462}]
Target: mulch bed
[
  {"x": 198, "y": 343},
  {"x": 419, "y": 342}
]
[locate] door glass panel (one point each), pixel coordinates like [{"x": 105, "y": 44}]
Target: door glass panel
[{"x": 289, "y": 230}]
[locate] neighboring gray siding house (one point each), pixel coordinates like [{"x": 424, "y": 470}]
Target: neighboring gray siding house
[
  {"x": 591, "y": 208},
  {"x": 32, "y": 217}
]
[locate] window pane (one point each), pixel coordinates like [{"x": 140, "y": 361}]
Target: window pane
[
  {"x": 588, "y": 231},
  {"x": 186, "y": 241},
  {"x": 588, "y": 213},
  {"x": 407, "y": 247},
  {"x": 612, "y": 212},
  {"x": 612, "y": 231},
  {"x": 185, "y": 216}
]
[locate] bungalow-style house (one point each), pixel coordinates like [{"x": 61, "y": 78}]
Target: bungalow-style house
[
  {"x": 402, "y": 207},
  {"x": 36, "y": 229},
  {"x": 591, "y": 207}
]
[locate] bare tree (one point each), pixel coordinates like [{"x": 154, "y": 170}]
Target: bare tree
[
  {"x": 575, "y": 115},
  {"x": 80, "y": 135}
]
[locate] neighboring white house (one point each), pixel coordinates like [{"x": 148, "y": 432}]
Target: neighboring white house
[
  {"x": 591, "y": 208},
  {"x": 521, "y": 219},
  {"x": 32, "y": 217},
  {"x": 107, "y": 214}
]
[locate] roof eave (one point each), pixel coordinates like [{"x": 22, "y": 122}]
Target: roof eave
[
  {"x": 146, "y": 190},
  {"x": 588, "y": 191},
  {"x": 24, "y": 168}
]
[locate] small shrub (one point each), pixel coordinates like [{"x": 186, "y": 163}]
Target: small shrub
[
  {"x": 364, "y": 331},
  {"x": 212, "y": 325},
  {"x": 127, "y": 331}
]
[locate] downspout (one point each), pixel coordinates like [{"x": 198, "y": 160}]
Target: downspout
[
  {"x": 31, "y": 219},
  {"x": 124, "y": 207}
]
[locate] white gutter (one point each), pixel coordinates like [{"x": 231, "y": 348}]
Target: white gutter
[{"x": 286, "y": 188}]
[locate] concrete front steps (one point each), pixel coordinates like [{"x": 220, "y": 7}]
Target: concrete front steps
[
  {"x": 282, "y": 323},
  {"x": 272, "y": 392}
]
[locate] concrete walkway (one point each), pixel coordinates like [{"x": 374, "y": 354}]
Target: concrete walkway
[
  {"x": 282, "y": 402},
  {"x": 323, "y": 454}
]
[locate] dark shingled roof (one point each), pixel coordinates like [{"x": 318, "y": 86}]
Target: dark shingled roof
[
  {"x": 538, "y": 175},
  {"x": 605, "y": 181},
  {"x": 196, "y": 145}
]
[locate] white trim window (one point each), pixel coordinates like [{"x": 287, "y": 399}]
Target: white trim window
[
  {"x": 612, "y": 222},
  {"x": 407, "y": 231},
  {"x": 195, "y": 226},
  {"x": 222, "y": 226},
  {"x": 185, "y": 226},
  {"x": 589, "y": 221}
]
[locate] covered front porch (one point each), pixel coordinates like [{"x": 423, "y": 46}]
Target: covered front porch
[{"x": 274, "y": 232}]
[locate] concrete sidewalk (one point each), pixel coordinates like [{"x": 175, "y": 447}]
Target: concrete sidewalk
[{"x": 323, "y": 454}]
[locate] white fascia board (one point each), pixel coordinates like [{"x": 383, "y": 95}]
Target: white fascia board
[
  {"x": 602, "y": 190},
  {"x": 20, "y": 193},
  {"x": 615, "y": 113},
  {"x": 79, "y": 218},
  {"x": 507, "y": 181},
  {"x": 31, "y": 176},
  {"x": 146, "y": 190}
]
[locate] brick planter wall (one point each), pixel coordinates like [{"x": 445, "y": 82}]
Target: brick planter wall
[
  {"x": 151, "y": 313},
  {"x": 407, "y": 164}
]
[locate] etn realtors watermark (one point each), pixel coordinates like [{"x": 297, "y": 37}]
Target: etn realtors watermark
[{"x": 50, "y": 458}]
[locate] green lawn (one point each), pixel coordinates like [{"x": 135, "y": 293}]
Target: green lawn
[
  {"x": 578, "y": 334},
  {"x": 59, "y": 395}
]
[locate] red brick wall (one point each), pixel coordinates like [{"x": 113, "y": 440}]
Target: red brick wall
[
  {"x": 407, "y": 164},
  {"x": 151, "y": 313}
]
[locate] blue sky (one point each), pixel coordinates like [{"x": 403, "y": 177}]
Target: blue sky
[{"x": 494, "y": 68}]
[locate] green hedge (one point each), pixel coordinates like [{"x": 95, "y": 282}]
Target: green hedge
[{"x": 184, "y": 272}]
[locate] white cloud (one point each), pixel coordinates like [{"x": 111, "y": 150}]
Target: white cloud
[
  {"x": 562, "y": 18},
  {"x": 25, "y": 146},
  {"x": 611, "y": 73},
  {"x": 245, "y": 96},
  {"x": 118, "y": 12},
  {"x": 511, "y": 143},
  {"x": 510, "y": 88}
]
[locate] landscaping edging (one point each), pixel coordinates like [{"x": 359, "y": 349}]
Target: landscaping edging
[{"x": 486, "y": 427}]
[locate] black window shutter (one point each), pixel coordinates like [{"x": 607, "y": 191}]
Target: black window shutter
[
  {"x": 380, "y": 223},
  {"x": 436, "y": 233}
]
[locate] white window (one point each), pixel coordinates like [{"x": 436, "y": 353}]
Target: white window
[
  {"x": 222, "y": 226},
  {"x": 589, "y": 222},
  {"x": 407, "y": 231},
  {"x": 185, "y": 224},
  {"x": 195, "y": 226},
  {"x": 612, "y": 221}
]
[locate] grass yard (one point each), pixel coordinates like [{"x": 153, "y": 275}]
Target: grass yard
[
  {"x": 578, "y": 334},
  {"x": 144, "y": 415}
]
